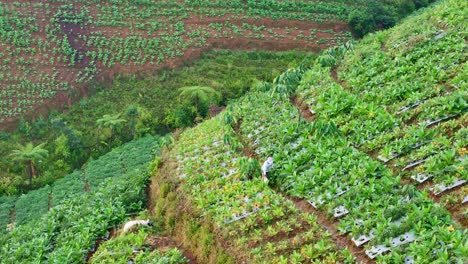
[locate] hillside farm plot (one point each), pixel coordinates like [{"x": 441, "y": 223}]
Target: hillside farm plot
[
  {"x": 50, "y": 51},
  {"x": 380, "y": 162},
  {"x": 260, "y": 223}
]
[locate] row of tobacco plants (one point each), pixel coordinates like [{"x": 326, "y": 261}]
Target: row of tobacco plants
[{"x": 136, "y": 247}]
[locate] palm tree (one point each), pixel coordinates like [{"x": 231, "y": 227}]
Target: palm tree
[
  {"x": 200, "y": 96},
  {"x": 112, "y": 122},
  {"x": 30, "y": 154}
]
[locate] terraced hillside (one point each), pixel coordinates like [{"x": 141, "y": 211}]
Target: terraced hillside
[
  {"x": 369, "y": 147},
  {"x": 51, "y": 50},
  {"x": 369, "y": 154}
]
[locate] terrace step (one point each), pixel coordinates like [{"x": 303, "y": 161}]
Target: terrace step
[
  {"x": 440, "y": 188},
  {"x": 362, "y": 239},
  {"x": 340, "y": 211},
  {"x": 420, "y": 177},
  {"x": 397, "y": 241}
]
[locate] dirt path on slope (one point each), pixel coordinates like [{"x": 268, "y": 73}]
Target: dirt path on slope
[{"x": 307, "y": 113}]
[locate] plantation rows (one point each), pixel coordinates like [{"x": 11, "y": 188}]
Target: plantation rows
[
  {"x": 261, "y": 224},
  {"x": 419, "y": 78},
  {"x": 48, "y": 50},
  {"x": 115, "y": 12},
  {"x": 347, "y": 185},
  {"x": 375, "y": 136},
  {"x": 363, "y": 144},
  {"x": 350, "y": 187},
  {"x": 434, "y": 148},
  {"x": 68, "y": 230}
]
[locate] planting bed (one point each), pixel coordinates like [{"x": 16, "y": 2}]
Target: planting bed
[{"x": 139, "y": 248}]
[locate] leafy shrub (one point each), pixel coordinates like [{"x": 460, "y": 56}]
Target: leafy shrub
[{"x": 373, "y": 15}]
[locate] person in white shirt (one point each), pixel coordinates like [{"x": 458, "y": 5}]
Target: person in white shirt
[{"x": 266, "y": 167}]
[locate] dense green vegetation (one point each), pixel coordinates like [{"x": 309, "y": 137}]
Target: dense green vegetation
[
  {"x": 68, "y": 231},
  {"x": 120, "y": 161},
  {"x": 372, "y": 15},
  {"x": 52, "y": 49},
  {"x": 369, "y": 139},
  {"x": 260, "y": 224},
  {"x": 382, "y": 153},
  {"x": 57, "y": 49},
  {"x": 134, "y": 108}
]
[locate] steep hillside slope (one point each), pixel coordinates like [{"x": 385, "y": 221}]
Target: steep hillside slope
[{"x": 373, "y": 151}]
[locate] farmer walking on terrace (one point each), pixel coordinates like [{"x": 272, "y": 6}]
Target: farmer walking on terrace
[{"x": 266, "y": 167}]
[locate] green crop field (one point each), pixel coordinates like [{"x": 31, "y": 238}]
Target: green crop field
[
  {"x": 369, "y": 138},
  {"x": 51, "y": 50},
  {"x": 375, "y": 146}
]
